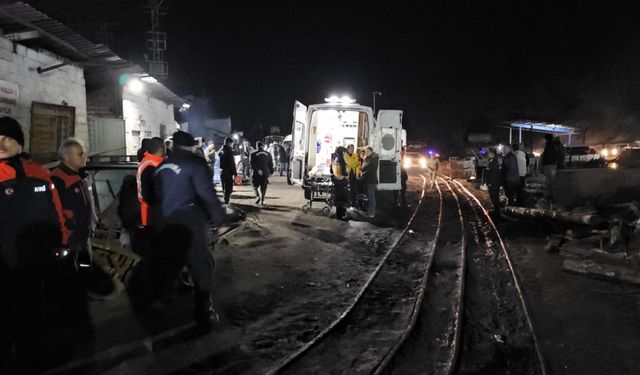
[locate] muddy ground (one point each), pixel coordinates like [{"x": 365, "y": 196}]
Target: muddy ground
[{"x": 284, "y": 276}]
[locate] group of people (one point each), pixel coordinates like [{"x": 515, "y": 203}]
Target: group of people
[
  {"x": 280, "y": 155},
  {"x": 510, "y": 174},
  {"x": 352, "y": 174},
  {"x": 45, "y": 229}
]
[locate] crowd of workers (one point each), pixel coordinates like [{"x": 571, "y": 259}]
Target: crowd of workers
[
  {"x": 48, "y": 218},
  {"x": 353, "y": 174},
  {"x": 509, "y": 172}
]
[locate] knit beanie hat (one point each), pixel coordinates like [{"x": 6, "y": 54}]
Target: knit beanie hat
[
  {"x": 9, "y": 127},
  {"x": 181, "y": 138}
]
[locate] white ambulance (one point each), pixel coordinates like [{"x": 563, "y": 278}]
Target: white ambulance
[{"x": 320, "y": 128}]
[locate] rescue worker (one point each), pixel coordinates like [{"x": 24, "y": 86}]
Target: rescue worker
[
  {"x": 31, "y": 230},
  {"x": 187, "y": 201},
  {"x": 153, "y": 156},
  {"x": 228, "y": 170},
  {"x": 262, "y": 165},
  {"x": 370, "y": 178},
  {"x": 69, "y": 293},
  {"x": 340, "y": 180},
  {"x": 351, "y": 158},
  {"x": 492, "y": 178},
  {"x": 77, "y": 201},
  {"x": 433, "y": 166}
]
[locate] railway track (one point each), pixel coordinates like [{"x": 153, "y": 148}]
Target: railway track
[{"x": 410, "y": 317}]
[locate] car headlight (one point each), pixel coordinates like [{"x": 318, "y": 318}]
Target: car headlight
[
  {"x": 605, "y": 152},
  {"x": 423, "y": 163},
  {"x": 407, "y": 162},
  {"x": 614, "y": 151},
  {"x": 613, "y": 165}
]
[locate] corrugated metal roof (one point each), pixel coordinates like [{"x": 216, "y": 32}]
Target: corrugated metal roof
[{"x": 17, "y": 16}]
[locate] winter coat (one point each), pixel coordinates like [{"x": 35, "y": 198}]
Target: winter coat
[
  {"x": 77, "y": 204},
  {"x": 522, "y": 162},
  {"x": 352, "y": 162},
  {"x": 183, "y": 183},
  {"x": 510, "y": 172},
  {"x": 227, "y": 162},
  {"x": 261, "y": 160},
  {"x": 492, "y": 173},
  {"x": 370, "y": 169},
  {"x": 31, "y": 223},
  {"x": 550, "y": 155},
  {"x": 282, "y": 155}
]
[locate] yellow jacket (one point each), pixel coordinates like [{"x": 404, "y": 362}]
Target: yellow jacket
[{"x": 352, "y": 162}]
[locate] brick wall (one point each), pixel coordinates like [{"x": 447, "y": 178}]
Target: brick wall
[{"x": 63, "y": 84}]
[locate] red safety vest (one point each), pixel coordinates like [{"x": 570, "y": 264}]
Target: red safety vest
[{"x": 148, "y": 160}]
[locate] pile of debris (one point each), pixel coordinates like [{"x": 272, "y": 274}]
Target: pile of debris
[{"x": 603, "y": 242}]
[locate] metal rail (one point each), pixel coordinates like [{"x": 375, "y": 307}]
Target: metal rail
[
  {"x": 282, "y": 365},
  {"x": 516, "y": 280}
]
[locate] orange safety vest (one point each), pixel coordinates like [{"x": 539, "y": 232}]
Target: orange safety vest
[{"x": 148, "y": 160}]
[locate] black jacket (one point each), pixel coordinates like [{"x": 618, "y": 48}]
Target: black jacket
[
  {"x": 77, "y": 204},
  {"x": 31, "y": 221},
  {"x": 370, "y": 169},
  {"x": 282, "y": 155},
  {"x": 227, "y": 162},
  {"x": 551, "y": 155},
  {"x": 261, "y": 160},
  {"x": 492, "y": 175},
  {"x": 183, "y": 183}
]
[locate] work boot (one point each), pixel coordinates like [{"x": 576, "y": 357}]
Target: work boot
[{"x": 258, "y": 198}]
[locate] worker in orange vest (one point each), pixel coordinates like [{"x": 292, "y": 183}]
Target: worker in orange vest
[{"x": 146, "y": 169}]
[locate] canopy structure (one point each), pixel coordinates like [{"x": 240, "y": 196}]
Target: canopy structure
[{"x": 540, "y": 127}]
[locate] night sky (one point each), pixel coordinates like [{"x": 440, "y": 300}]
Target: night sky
[{"x": 453, "y": 67}]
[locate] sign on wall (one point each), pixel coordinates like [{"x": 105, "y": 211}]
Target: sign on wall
[{"x": 8, "y": 98}]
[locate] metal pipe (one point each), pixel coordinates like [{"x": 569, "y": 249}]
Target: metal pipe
[{"x": 52, "y": 67}]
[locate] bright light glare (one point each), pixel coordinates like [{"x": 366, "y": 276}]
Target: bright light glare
[
  {"x": 605, "y": 152},
  {"x": 536, "y": 154},
  {"x": 185, "y": 106},
  {"x": 613, "y": 165},
  {"x": 407, "y": 163},
  {"x": 334, "y": 99},
  {"x": 135, "y": 85},
  {"x": 614, "y": 151},
  {"x": 423, "y": 162},
  {"x": 148, "y": 79}
]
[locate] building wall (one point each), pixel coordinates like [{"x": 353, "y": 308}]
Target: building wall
[
  {"x": 144, "y": 117},
  {"x": 65, "y": 84}
]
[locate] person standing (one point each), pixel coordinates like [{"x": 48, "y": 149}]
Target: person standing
[
  {"x": 32, "y": 228},
  {"x": 187, "y": 201},
  {"x": 262, "y": 165},
  {"x": 522, "y": 172},
  {"x": 77, "y": 201},
  {"x": 401, "y": 196},
  {"x": 550, "y": 159},
  {"x": 492, "y": 179},
  {"x": 227, "y": 168},
  {"x": 433, "y": 166},
  {"x": 340, "y": 180},
  {"x": 283, "y": 159},
  {"x": 351, "y": 158},
  {"x": 511, "y": 177},
  {"x": 153, "y": 156},
  {"x": 370, "y": 178},
  {"x": 70, "y": 292}
]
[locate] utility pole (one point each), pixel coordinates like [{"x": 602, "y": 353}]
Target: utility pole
[
  {"x": 156, "y": 42},
  {"x": 374, "y": 93}
]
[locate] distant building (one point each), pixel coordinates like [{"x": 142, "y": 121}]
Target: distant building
[{"x": 58, "y": 84}]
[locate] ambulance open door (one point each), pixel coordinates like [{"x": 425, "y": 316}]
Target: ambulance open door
[
  {"x": 299, "y": 143},
  {"x": 390, "y": 137}
]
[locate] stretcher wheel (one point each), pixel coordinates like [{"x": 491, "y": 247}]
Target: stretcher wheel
[
  {"x": 305, "y": 208},
  {"x": 326, "y": 210}
]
